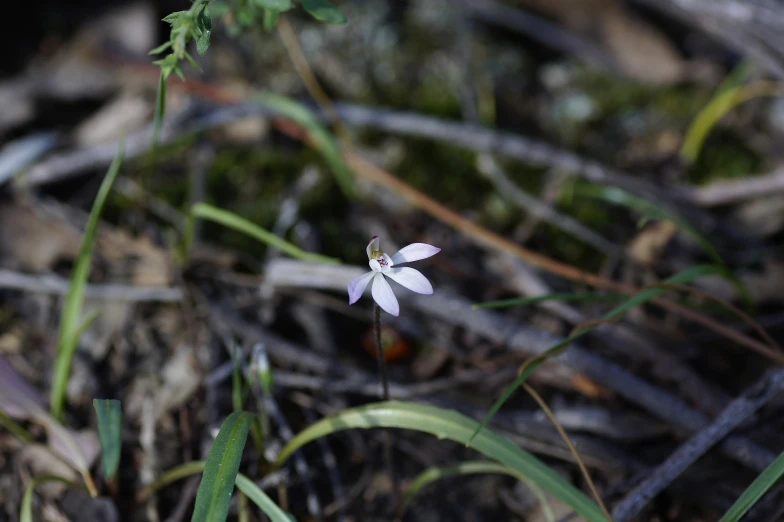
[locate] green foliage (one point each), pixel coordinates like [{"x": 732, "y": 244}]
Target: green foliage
[
  {"x": 649, "y": 211},
  {"x": 26, "y": 511},
  {"x": 764, "y": 481},
  {"x": 319, "y": 136},
  {"x": 110, "y": 434},
  {"x": 231, "y": 220},
  {"x": 447, "y": 424},
  {"x": 640, "y": 298},
  {"x": 221, "y": 468},
  {"x": 69, "y": 322},
  {"x": 243, "y": 483},
  {"x": 324, "y": 11}
]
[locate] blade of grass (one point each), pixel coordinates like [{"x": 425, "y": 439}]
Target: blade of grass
[
  {"x": 446, "y": 424},
  {"x": 473, "y": 467},
  {"x": 319, "y": 136},
  {"x": 243, "y": 483},
  {"x": 640, "y": 298},
  {"x": 72, "y": 308},
  {"x": 764, "y": 481},
  {"x": 173, "y": 475},
  {"x": 717, "y": 108},
  {"x": 258, "y": 497},
  {"x": 649, "y": 210},
  {"x": 220, "y": 470},
  {"x": 231, "y": 220},
  {"x": 26, "y": 511},
  {"x": 566, "y": 298},
  {"x": 110, "y": 434}
]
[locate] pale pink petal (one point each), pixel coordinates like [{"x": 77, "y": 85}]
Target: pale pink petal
[
  {"x": 373, "y": 246},
  {"x": 414, "y": 252},
  {"x": 384, "y": 296},
  {"x": 357, "y": 286},
  {"x": 411, "y": 279},
  {"x": 375, "y": 265}
]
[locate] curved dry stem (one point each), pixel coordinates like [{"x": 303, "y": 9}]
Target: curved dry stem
[{"x": 583, "y": 469}]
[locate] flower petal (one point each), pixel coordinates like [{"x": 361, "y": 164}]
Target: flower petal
[
  {"x": 384, "y": 296},
  {"x": 411, "y": 279},
  {"x": 374, "y": 265},
  {"x": 414, "y": 252},
  {"x": 357, "y": 286},
  {"x": 373, "y": 246}
]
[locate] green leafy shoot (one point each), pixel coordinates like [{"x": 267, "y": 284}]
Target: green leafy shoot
[
  {"x": 640, "y": 298},
  {"x": 72, "y": 308},
  {"x": 474, "y": 467},
  {"x": 26, "y": 511},
  {"x": 448, "y": 424},
  {"x": 110, "y": 417},
  {"x": 243, "y": 483},
  {"x": 764, "y": 481},
  {"x": 319, "y": 136},
  {"x": 220, "y": 471},
  {"x": 565, "y": 298},
  {"x": 324, "y": 11},
  {"x": 233, "y": 221}
]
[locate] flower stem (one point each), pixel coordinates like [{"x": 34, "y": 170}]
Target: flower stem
[
  {"x": 382, "y": 370},
  {"x": 382, "y": 362}
]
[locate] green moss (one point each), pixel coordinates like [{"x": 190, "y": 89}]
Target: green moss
[{"x": 723, "y": 156}]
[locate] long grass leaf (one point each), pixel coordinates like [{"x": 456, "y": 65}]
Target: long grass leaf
[
  {"x": 231, "y": 220},
  {"x": 258, "y": 497},
  {"x": 26, "y": 510},
  {"x": 220, "y": 471},
  {"x": 320, "y": 137},
  {"x": 72, "y": 308},
  {"x": 160, "y": 109},
  {"x": 640, "y": 298},
  {"x": 764, "y": 481},
  {"x": 447, "y": 424}
]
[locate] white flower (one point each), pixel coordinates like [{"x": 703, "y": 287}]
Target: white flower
[{"x": 383, "y": 265}]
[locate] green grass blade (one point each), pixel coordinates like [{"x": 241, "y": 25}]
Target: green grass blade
[
  {"x": 220, "y": 470},
  {"x": 564, "y": 298},
  {"x": 160, "y": 109},
  {"x": 243, "y": 483},
  {"x": 764, "y": 481},
  {"x": 718, "y": 107},
  {"x": 473, "y": 467},
  {"x": 72, "y": 308},
  {"x": 231, "y": 220},
  {"x": 169, "y": 477},
  {"x": 110, "y": 434},
  {"x": 319, "y": 135},
  {"x": 642, "y": 297},
  {"x": 446, "y": 424},
  {"x": 258, "y": 497},
  {"x": 649, "y": 210},
  {"x": 26, "y": 511}
]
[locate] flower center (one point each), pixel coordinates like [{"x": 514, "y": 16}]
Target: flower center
[{"x": 384, "y": 261}]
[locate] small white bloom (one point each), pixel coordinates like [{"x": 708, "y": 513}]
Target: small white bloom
[{"x": 383, "y": 265}]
